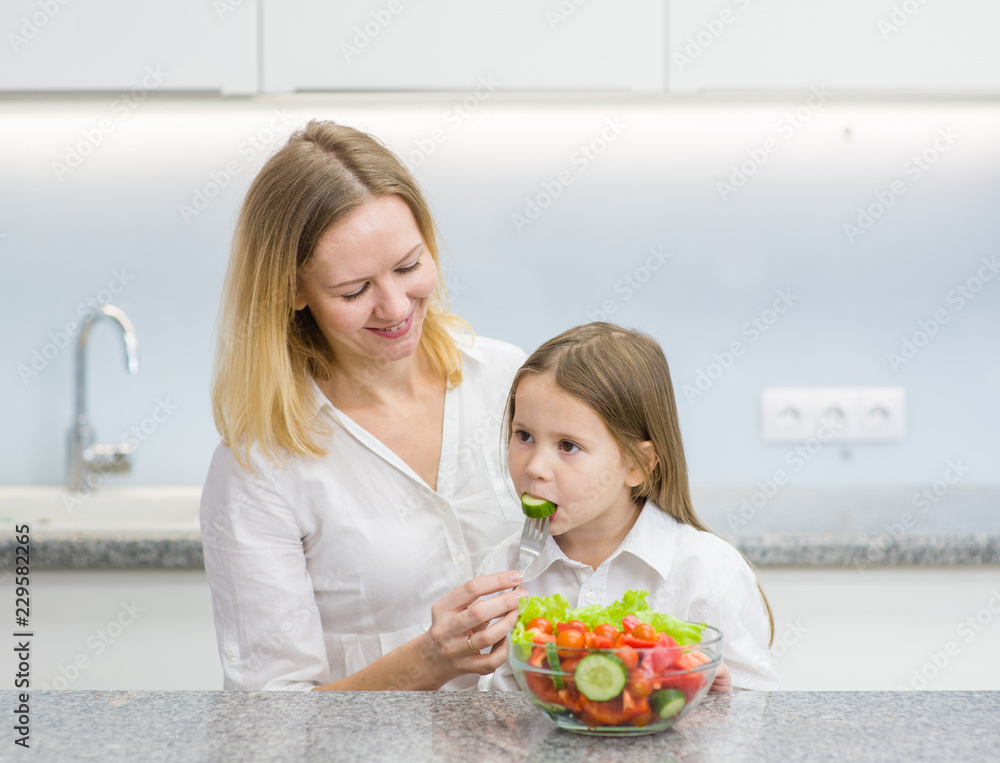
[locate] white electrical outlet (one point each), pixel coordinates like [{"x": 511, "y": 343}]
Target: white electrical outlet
[{"x": 856, "y": 414}]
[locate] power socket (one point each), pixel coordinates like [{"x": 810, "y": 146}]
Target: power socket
[{"x": 843, "y": 414}]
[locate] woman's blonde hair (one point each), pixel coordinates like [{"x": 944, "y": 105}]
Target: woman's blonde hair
[
  {"x": 267, "y": 351},
  {"x": 622, "y": 375}
]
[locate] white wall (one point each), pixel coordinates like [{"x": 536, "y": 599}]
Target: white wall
[{"x": 652, "y": 186}]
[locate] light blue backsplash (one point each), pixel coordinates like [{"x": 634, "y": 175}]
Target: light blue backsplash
[{"x": 654, "y": 188}]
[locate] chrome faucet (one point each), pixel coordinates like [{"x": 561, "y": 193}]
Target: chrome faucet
[{"x": 86, "y": 457}]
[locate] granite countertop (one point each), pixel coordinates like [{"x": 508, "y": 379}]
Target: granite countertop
[
  {"x": 765, "y": 550},
  {"x": 497, "y": 726},
  {"x": 856, "y": 527}
]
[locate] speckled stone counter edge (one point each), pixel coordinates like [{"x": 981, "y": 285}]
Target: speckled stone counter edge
[
  {"x": 777, "y": 550},
  {"x": 500, "y": 727}
]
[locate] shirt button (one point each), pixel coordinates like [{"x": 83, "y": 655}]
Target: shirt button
[
  {"x": 591, "y": 597},
  {"x": 460, "y": 558},
  {"x": 230, "y": 653},
  {"x": 443, "y": 506}
]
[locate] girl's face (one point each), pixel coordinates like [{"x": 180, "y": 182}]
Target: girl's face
[
  {"x": 561, "y": 451},
  {"x": 369, "y": 282}
]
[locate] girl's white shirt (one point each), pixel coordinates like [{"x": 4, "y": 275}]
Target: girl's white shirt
[
  {"x": 690, "y": 574},
  {"x": 320, "y": 567}
]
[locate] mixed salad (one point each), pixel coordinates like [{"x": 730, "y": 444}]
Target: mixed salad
[{"x": 623, "y": 664}]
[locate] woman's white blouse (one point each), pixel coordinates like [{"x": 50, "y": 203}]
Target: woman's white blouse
[
  {"x": 690, "y": 574},
  {"x": 322, "y": 566}
]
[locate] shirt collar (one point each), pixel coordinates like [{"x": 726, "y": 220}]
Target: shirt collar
[
  {"x": 320, "y": 401},
  {"x": 651, "y": 540}
]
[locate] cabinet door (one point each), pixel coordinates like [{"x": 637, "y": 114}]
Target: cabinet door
[
  {"x": 120, "y": 45},
  {"x": 849, "y": 44},
  {"x": 452, "y": 44}
]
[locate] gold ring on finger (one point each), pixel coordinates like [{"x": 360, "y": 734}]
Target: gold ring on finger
[{"x": 469, "y": 642}]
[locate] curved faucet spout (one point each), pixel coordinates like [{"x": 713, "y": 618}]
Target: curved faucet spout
[
  {"x": 131, "y": 353},
  {"x": 89, "y": 459}
]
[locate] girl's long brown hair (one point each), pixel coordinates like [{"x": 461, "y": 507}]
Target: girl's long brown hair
[
  {"x": 622, "y": 375},
  {"x": 267, "y": 351}
]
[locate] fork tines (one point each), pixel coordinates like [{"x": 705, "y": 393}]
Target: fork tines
[{"x": 532, "y": 541}]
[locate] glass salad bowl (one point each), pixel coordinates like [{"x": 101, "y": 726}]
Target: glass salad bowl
[{"x": 621, "y": 691}]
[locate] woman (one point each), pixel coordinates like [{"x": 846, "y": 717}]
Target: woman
[{"x": 358, "y": 484}]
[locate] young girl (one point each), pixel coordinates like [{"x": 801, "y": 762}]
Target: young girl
[{"x": 592, "y": 426}]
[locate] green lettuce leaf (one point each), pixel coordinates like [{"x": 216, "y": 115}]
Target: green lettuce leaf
[
  {"x": 552, "y": 608},
  {"x": 681, "y": 631},
  {"x": 556, "y": 610}
]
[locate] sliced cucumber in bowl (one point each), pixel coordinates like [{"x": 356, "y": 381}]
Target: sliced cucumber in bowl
[
  {"x": 667, "y": 702},
  {"x": 600, "y": 677}
]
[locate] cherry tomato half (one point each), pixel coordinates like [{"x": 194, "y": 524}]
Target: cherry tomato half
[
  {"x": 571, "y": 639},
  {"x": 576, "y": 625},
  {"x": 640, "y": 683},
  {"x": 607, "y": 630},
  {"x": 644, "y": 631},
  {"x": 569, "y": 668},
  {"x": 541, "y": 624},
  {"x": 629, "y": 656}
]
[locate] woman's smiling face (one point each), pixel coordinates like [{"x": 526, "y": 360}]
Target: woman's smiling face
[
  {"x": 561, "y": 451},
  {"x": 369, "y": 282}
]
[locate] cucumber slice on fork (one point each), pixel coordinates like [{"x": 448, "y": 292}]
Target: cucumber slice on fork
[{"x": 536, "y": 508}]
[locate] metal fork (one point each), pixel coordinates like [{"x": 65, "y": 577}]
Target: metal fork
[{"x": 532, "y": 541}]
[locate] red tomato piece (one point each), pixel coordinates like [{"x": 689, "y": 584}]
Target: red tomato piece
[
  {"x": 537, "y": 658},
  {"x": 629, "y": 622},
  {"x": 569, "y": 667},
  {"x": 570, "y": 698},
  {"x": 542, "y": 687},
  {"x": 629, "y": 656},
  {"x": 638, "y": 643},
  {"x": 644, "y": 631},
  {"x": 609, "y": 713},
  {"x": 571, "y": 625},
  {"x": 588, "y": 720},
  {"x": 607, "y": 630},
  {"x": 571, "y": 639},
  {"x": 689, "y": 683},
  {"x": 665, "y": 640},
  {"x": 664, "y": 657},
  {"x": 541, "y": 624},
  {"x": 640, "y": 683},
  {"x": 542, "y": 638},
  {"x": 633, "y": 707},
  {"x": 691, "y": 660},
  {"x": 644, "y": 719}
]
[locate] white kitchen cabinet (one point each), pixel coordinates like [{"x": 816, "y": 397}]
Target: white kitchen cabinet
[
  {"x": 129, "y": 47},
  {"x": 876, "y": 45},
  {"x": 459, "y": 44},
  {"x": 118, "y": 629},
  {"x": 835, "y": 629},
  {"x": 885, "y": 628}
]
